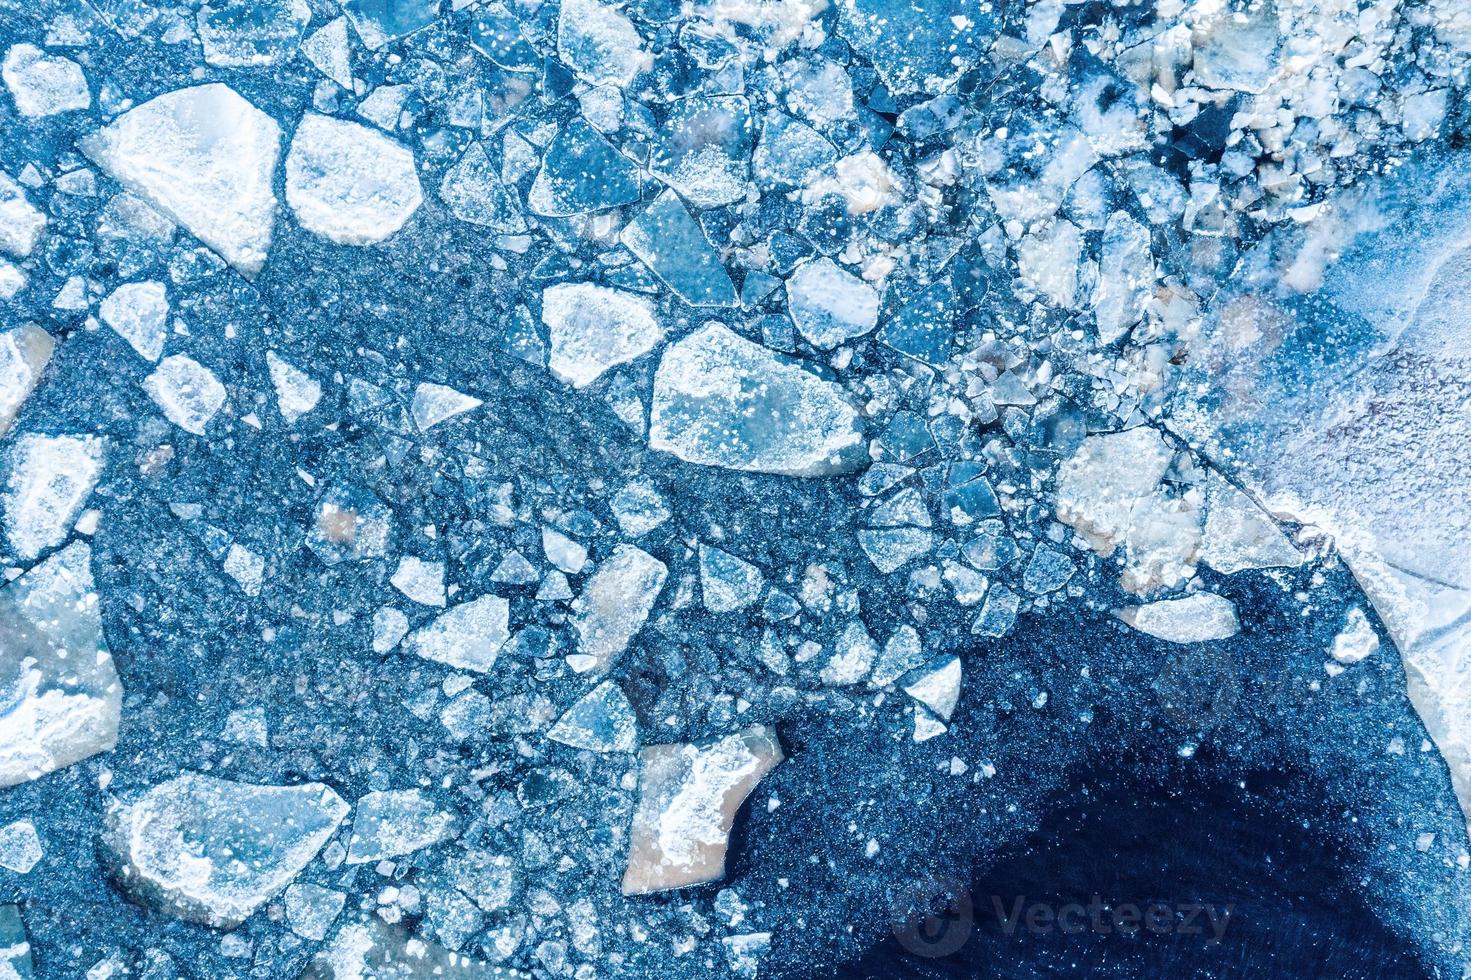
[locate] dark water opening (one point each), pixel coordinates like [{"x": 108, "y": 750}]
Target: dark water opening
[{"x": 1063, "y": 904}]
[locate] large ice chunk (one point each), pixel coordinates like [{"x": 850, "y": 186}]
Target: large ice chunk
[
  {"x": 688, "y": 799},
  {"x": 350, "y": 183},
  {"x": 703, "y": 149},
  {"x": 42, "y": 84},
  {"x": 213, "y": 851},
  {"x": 601, "y": 720},
  {"x": 49, "y": 479},
  {"x": 475, "y": 193},
  {"x": 599, "y": 43},
  {"x": 1110, "y": 491},
  {"x": 250, "y": 33},
  {"x": 205, "y": 157},
  {"x": 917, "y": 47},
  {"x": 721, "y": 400},
  {"x": 580, "y": 173},
  {"x": 1238, "y": 534},
  {"x": 393, "y": 822},
  {"x": 24, "y": 354},
  {"x": 829, "y": 304},
  {"x": 379, "y": 22},
  {"x": 1194, "y": 619},
  {"x": 60, "y": 699},
  {"x": 138, "y": 312},
  {"x": 186, "y": 391},
  {"x": 593, "y": 328},
  {"x": 673, "y": 245},
  {"x": 614, "y": 604},
  {"x": 468, "y": 636}
]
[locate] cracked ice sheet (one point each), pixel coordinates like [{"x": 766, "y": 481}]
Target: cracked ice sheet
[{"x": 1372, "y": 445}]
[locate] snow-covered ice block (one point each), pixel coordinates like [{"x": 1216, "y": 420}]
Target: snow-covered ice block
[
  {"x": 614, "y": 604},
  {"x": 139, "y": 312},
  {"x": 187, "y": 392},
  {"x": 213, "y": 851},
  {"x": 296, "y": 392},
  {"x": 599, "y": 43},
  {"x": 251, "y": 33},
  {"x": 24, "y": 354},
  {"x": 830, "y": 305},
  {"x": 21, "y": 222},
  {"x": 43, "y": 85},
  {"x": 468, "y": 635},
  {"x": 62, "y": 699},
  {"x": 721, "y": 400},
  {"x": 703, "y": 149},
  {"x": 48, "y": 479},
  {"x": 593, "y": 328},
  {"x": 205, "y": 157},
  {"x": 388, "y": 823},
  {"x": 350, "y": 183},
  {"x": 688, "y": 798},
  {"x": 1196, "y": 618}
]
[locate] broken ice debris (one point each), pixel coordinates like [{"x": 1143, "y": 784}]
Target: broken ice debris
[
  {"x": 830, "y": 305},
  {"x": 474, "y": 193},
  {"x": 593, "y": 328},
  {"x": 15, "y": 947},
  {"x": 393, "y": 822},
  {"x": 688, "y": 799},
  {"x": 213, "y": 851},
  {"x": 580, "y": 173},
  {"x": 1110, "y": 492},
  {"x": 367, "y": 948},
  {"x": 668, "y": 240},
  {"x": 205, "y": 157},
  {"x": 614, "y": 604},
  {"x": 791, "y": 153},
  {"x": 727, "y": 582},
  {"x": 468, "y": 636},
  {"x": 703, "y": 149},
  {"x": 60, "y": 700},
  {"x": 251, "y": 33},
  {"x": 20, "y": 848},
  {"x": 49, "y": 479},
  {"x": 601, "y": 720},
  {"x": 936, "y": 685},
  {"x": 138, "y": 312},
  {"x": 296, "y": 392},
  {"x": 1356, "y": 640},
  {"x": 1194, "y": 619},
  {"x": 998, "y": 612},
  {"x": 187, "y": 392},
  {"x": 599, "y": 43},
  {"x": 349, "y": 183},
  {"x": 638, "y": 508},
  {"x": 24, "y": 354},
  {"x": 434, "y": 404},
  {"x": 42, "y": 84},
  {"x": 380, "y": 21},
  {"x": 721, "y": 400},
  {"x": 1238, "y": 535},
  {"x": 21, "y": 222},
  {"x": 562, "y": 551}
]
